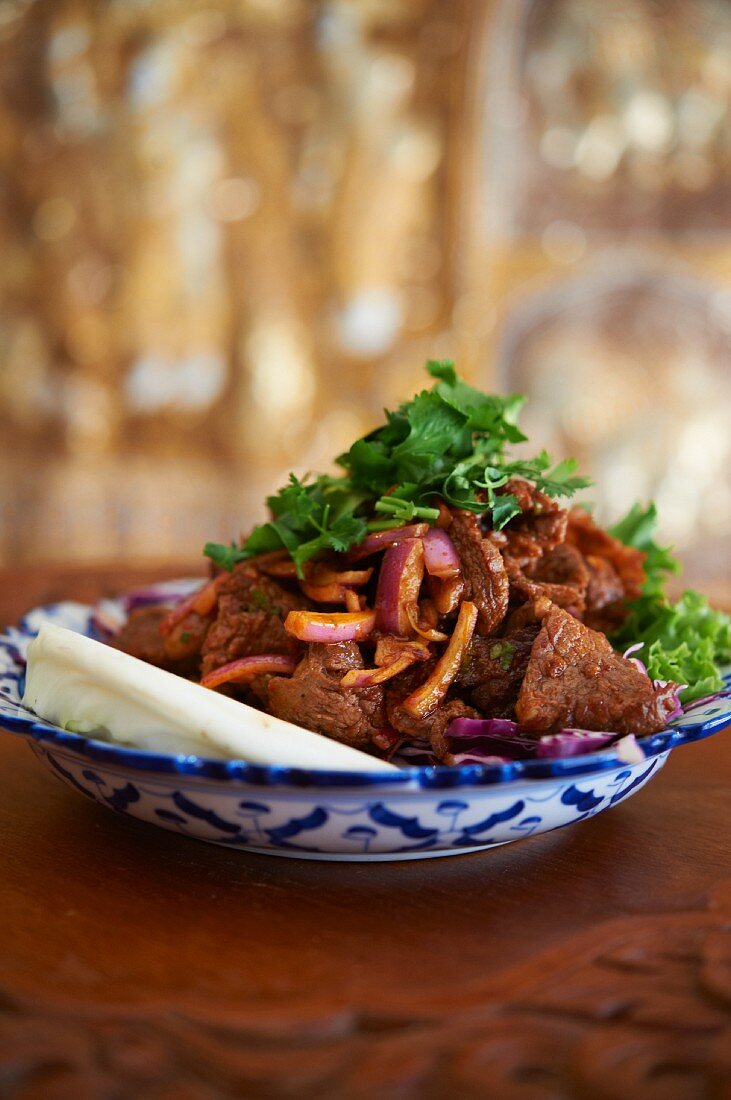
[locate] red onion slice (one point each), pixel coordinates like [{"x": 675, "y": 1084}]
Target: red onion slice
[
  {"x": 430, "y": 694},
  {"x": 455, "y": 759},
  {"x": 367, "y": 677},
  {"x": 353, "y": 600},
  {"x": 329, "y": 628},
  {"x": 248, "y": 668},
  {"x": 417, "y": 754},
  {"x": 440, "y": 555},
  {"x": 390, "y": 649},
  {"x": 445, "y": 594},
  {"x": 427, "y": 632},
  {"x": 203, "y": 602},
  {"x": 325, "y": 593},
  {"x": 381, "y": 540},
  {"x": 399, "y": 582},
  {"x": 285, "y": 568},
  {"x": 322, "y": 574}
]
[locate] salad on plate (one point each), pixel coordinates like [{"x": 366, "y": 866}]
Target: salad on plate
[{"x": 440, "y": 601}]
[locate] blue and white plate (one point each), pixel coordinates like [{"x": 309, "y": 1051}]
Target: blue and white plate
[{"x": 415, "y": 813}]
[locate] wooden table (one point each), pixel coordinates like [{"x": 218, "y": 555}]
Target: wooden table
[{"x": 594, "y": 962}]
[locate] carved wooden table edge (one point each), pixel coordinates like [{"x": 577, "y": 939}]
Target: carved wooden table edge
[{"x": 637, "y": 1007}]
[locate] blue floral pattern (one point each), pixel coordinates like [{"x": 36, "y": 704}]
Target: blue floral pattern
[
  {"x": 334, "y": 815},
  {"x": 349, "y": 825}
]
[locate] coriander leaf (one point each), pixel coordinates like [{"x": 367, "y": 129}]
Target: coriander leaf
[
  {"x": 504, "y": 509},
  {"x": 225, "y": 556},
  {"x": 503, "y": 652},
  {"x": 297, "y": 501},
  {"x": 274, "y": 535},
  {"x": 405, "y": 510},
  {"x": 561, "y": 481},
  {"x": 444, "y": 369},
  {"x": 448, "y": 442},
  {"x": 489, "y": 413},
  {"x": 370, "y": 465},
  {"x": 433, "y": 426},
  {"x": 345, "y": 532}
]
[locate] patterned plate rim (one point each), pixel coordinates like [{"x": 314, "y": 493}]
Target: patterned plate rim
[{"x": 701, "y": 719}]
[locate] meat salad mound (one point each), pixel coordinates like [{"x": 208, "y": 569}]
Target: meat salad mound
[
  {"x": 438, "y": 602},
  {"x": 515, "y": 643}
]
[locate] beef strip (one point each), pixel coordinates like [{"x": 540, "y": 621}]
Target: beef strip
[
  {"x": 605, "y": 606},
  {"x": 433, "y": 727},
  {"x": 140, "y": 637},
  {"x": 440, "y": 720},
  {"x": 495, "y": 667},
  {"x": 483, "y": 570},
  {"x": 313, "y": 697},
  {"x": 575, "y": 679},
  {"x": 249, "y": 621},
  {"x": 592, "y": 541},
  {"x": 540, "y": 527},
  {"x": 560, "y": 574},
  {"x": 528, "y": 613}
]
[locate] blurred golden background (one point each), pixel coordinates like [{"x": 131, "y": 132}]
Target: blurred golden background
[{"x": 232, "y": 230}]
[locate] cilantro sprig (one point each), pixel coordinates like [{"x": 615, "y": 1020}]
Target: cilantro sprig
[
  {"x": 686, "y": 640},
  {"x": 449, "y": 442},
  {"x": 306, "y": 519}
]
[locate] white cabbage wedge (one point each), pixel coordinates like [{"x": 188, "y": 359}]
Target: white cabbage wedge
[{"x": 87, "y": 687}]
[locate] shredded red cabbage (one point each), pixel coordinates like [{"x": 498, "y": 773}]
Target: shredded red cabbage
[
  {"x": 467, "y": 758},
  {"x": 474, "y": 740},
  {"x": 572, "y": 743},
  {"x": 640, "y": 665},
  {"x": 415, "y": 754},
  {"x": 150, "y": 596},
  {"x": 499, "y": 741}
]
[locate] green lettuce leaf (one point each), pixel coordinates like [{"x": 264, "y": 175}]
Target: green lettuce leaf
[{"x": 686, "y": 641}]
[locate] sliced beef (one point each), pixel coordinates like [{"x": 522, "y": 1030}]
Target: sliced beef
[
  {"x": 540, "y": 527},
  {"x": 527, "y": 614},
  {"x": 483, "y": 570},
  {"x": 439, "y": 722},
  {"x": 560, "y": 574},
  {"x": 313, "y": 697},
  {"x": 575, "y": 679},
  {"x": 250, "y": 619},
  {"x": 562, "y": 566},
  {"x": 432, "y": 727},
  {"x": 593, "y": 542},
  {"x": 398, "y": 689},
  {"x": 605, "y": 599},
  {"x": 140, "y": 636},
  {"x": 495, "y": 667}
]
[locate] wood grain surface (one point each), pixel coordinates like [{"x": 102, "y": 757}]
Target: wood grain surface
[{"x": 594, "y": 962}]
